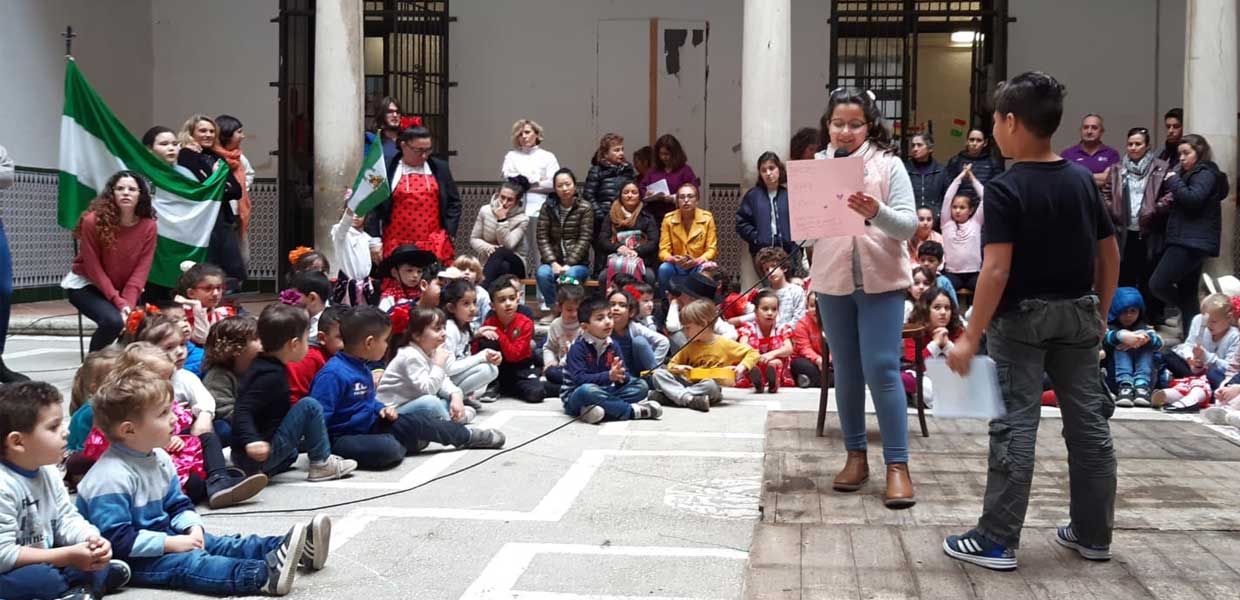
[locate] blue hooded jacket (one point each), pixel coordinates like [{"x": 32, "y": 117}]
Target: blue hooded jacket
[{"x": 1126, "y": 298}]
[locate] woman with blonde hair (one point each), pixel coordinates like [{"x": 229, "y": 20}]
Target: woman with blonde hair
[
  {"x": 537, "y": 165},
  {"x": 199, "y": 137}
]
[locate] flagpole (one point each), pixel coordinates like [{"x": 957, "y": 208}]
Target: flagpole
[{"x": 69, "y": 35}]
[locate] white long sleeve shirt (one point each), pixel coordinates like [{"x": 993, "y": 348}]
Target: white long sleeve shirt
[
  {"x": 352, "y": 249},
  {"x": 457, "y": 343},
  {"x": 536, "y": 165},
  {"x": 412, "y": 375},
  {"x": 35, "y": 512}
]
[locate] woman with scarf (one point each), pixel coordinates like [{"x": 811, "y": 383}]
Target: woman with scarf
[
  {"x": 200, "y": 155},
  {"x": 1131, "y": 192},
  {"x": 631, "y": 241}
]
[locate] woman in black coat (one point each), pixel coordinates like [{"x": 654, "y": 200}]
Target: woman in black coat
[
  {"x": 1194, "y": 226},
  {"x": 198, "y": 139},
  {"x": 628, "y": 231},
  {"x": 977, "y": 152}
]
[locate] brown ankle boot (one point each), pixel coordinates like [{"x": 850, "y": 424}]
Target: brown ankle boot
[
  {"x": 855, "y": 473},
  {"x": 899, "y": 487}
]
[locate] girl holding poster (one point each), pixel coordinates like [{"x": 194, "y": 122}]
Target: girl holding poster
[{"x": 860, "y": 282}]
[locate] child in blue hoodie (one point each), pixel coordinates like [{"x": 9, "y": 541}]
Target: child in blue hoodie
[{"x": 1132, "y": 344}]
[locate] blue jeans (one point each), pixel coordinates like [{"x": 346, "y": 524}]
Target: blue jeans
[
  {"x": 1134, "y": 367},
  {"x": 387, "y": 444},
  {"x": 6, "y": 285},
  {"x": 304, "y": 421},
  {"x": 108, "y": 325},
  {"x": 226, "y": 566},
  {"x": 429, "y": 405},
  {"x": 223, "y": 429},
  {"x": 667, "y": 271},
  {"x": 643, "y": 357},
  {"x": 868, "y": 325},
  {"x": 546, "y": 281},
  {"x": 33, "y": 582},
  {"x": 614, "y": 400}
]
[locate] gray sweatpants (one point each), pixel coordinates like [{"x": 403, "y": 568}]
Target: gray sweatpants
[
  {"x": 679, "y": 390},
  {"x": 1062, "y": 338}
]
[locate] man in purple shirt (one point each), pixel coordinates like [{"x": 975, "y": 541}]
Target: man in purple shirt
[{"x": 1091, "y": 153}]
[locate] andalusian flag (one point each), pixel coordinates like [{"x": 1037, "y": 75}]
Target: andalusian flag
[
  {"x": 371, "y": 187},
  {"x": 94, "y": 145}
]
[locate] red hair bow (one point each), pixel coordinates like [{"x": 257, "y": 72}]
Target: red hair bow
[
  {"x": 400, "y": 318},
  {"x": 407, "y": 122},
  {"x": 137, "y": 316},
  {"x": 1235, "y": 306}
]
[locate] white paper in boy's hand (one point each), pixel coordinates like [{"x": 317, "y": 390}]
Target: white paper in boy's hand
[
  {"x": 976, "y": 396},
  {"x": 658, "y": 187}
]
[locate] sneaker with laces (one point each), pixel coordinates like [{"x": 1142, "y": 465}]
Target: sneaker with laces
[
  {"x": 1126, "y": 394},
  {"x": 334, "y": 467},
  {"x": 1067, "y": 538},
  {"x": 118, "y": 576},
  {"x": 1215, "y": 414},
  {"x": 1141, "y": 397},
  {"x": 647, "y": 409},
  {"x": 592, "y": 415},
  {"x": 485, "y": 439},
  {"x": 973, "y": 547},
  {"x": 318, "y": 542},
  {"x": 698, "y": 402},
  {"x": 282, "y": 562},
  {"x": 236, "y": 490}
]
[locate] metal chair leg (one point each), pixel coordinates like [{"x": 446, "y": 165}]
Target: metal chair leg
[
  {"x": 824, "y": 391},
  {"x": 81, "y": 343}
]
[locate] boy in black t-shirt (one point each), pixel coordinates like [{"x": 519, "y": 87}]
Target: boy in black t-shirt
[{"x": 1050, "y": 269}]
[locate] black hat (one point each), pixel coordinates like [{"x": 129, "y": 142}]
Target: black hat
[
  {"x": 697, "y": 285},
  {"x": 406, "y": 254}
]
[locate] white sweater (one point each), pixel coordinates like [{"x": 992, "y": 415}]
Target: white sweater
[
  {"x": 36, "y": 512},
  {"x": 352, "y": 249},
  {"x": 412, "y": 375},
  {"x": 458, "y": 345},
  {"x": 538, "y": 166}
]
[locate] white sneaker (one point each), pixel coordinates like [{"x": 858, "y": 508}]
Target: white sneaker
[
  {"x": 1232, "y": 418},
  {"x": 332, "y": 468},
  {"x": 593, "y": 415},
  {"x": 1215, "y": 414},
  {"x": 470, "y": 414}
]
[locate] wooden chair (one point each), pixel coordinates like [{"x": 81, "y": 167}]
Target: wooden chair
[{"x": 917, "y": 333}]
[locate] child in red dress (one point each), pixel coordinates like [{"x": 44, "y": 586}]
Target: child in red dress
[{"x": 773, "y": 341}]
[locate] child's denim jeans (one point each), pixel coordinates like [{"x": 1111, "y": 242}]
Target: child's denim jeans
[
  {"x": 615, "y": 400},
  {"x": 1061, "y": 337},
  {"x": 226, "y": 566},
  {"x": 1134, "y": 367},
  {"x": 45, "y": 581}
]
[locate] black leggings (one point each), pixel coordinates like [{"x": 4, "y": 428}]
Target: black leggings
[
  {"x": 108, "y": 324},
  {"x": 962, "y": 281},
  {"x": 1135, "y": 267},
  {"x": 501, "y": 262},
  {"x": 804, "y": 366},
  {"x": 1175, "y": 281}
]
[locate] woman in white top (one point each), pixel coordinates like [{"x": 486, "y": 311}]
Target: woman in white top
[{"x": 528, "y": 159}]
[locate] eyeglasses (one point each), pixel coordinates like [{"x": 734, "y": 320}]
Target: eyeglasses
[
  {"x": 686, "y": 196},
  {"x": 840, "y": 125}
]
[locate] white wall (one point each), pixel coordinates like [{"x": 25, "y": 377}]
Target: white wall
[
  {"x": 1103, "y": 51},
  {"x": 219, "y": 58},
  {"x": 537, "y": 59},
  {"x": 113, "y": 50}
]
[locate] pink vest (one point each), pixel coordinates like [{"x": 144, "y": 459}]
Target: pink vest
[{"x": 884, "y": 259}]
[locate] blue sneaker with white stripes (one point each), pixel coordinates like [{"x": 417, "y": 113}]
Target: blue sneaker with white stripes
[
  {"x": 1067, "y": 538},
  {"x": 973, "y": 547}
]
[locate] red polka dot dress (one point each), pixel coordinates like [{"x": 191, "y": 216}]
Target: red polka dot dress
[
  {"x": 766, "y": 343},
  {"x": 415, "y": 212}
]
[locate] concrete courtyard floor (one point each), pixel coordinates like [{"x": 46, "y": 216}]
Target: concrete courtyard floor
[{"x": 1177, "y": 516}]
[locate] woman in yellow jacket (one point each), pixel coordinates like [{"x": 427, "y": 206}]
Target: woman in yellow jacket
[{"x": 687, "y": 238}]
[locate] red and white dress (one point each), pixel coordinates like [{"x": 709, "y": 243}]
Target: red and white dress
[
  {"x": 201, "y": 318},
  {"x": 415, "y": 213},
  {"x": 763, "y": 344}
]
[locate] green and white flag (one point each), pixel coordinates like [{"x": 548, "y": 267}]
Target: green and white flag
[
  {"x": 371, "y": 187},
  {"x": 94, "y": 145}
]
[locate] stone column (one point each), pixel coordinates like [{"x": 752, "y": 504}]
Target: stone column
[
  {"x": 338, "y": 113},
  {"x": 1210, "y": 105},
  {"x": 766, "y": 93}
]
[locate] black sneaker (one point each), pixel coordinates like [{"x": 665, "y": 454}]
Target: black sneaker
[
  {"x": 1141, "y": 397},
  {"x": 973, "y": 547},
  {"x": 117, "y": 577},
  {"x": 485, "y": 439},
  {"x": 491, "y": 394},
  {"x": 1067, "y": 538},
  {"x": 236, "y": 490},
  {"x": 699, "y": 402},
  {"x": 1126, "y": 396},
  {"x": 657, "y": 396},
  {"x": 282, "y": 562},
  {"x": 78, "y": 593},
  {"x": 318, "y": 542}
]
